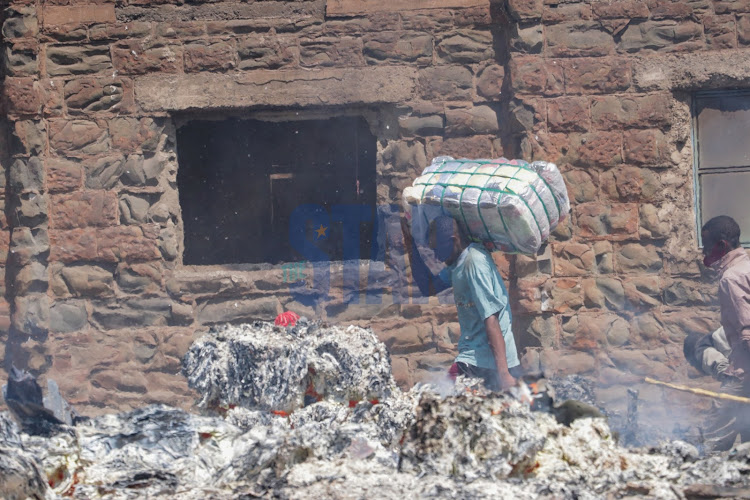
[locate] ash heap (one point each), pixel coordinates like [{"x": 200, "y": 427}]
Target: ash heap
[{"x": 313, "y": 412}]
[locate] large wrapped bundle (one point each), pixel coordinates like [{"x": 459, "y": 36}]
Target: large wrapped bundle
[{"x": 510, "y": 204}]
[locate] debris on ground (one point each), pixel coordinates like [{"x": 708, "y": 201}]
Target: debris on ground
[{"x": 251, "y": 442}]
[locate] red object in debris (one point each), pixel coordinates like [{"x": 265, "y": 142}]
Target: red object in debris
[
  {"x": 352, "y": 403},
  {"x": 280, "y": 413},
  {"x": 287, "y": 318},
  {"x": 453, "y": 372}
]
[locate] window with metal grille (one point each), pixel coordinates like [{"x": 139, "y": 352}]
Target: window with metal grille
[
  {"x": 240, "y": 182},
  {"x": 721, "y": 121}
]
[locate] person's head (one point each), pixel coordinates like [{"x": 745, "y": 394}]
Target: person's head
[
  {"x": 447, "y": 239},
  {"x": 720, "y": 236},
  {"x": 688, "y": 349}
]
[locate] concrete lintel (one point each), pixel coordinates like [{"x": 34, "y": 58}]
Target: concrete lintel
[
  {"x": 342, "y": 8},
  {"x": 279, "y": 88},
  {"x": 692, "y": 71}
]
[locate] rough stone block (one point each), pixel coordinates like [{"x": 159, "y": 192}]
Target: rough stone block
[
  {"x": 533, "y": 75},
  {"x": 31, "y": 314},
  {"x": 593, "y": 331},
  {"x": 478, "y": 146},
  {"x": 674, "y": 10},
  {"x": 31, "y": 278},
  {"x": 658, "y": 35},
  {"x": 243, "y": 310},
  {"x": 134, "y": 135},
  {"x": 566, "y": 12},
  {"x": 83, "y": 209},
  {"x": 27, "y": 245},
  {"x": 20, "y": 22},
  {"x": 582, "y": 185},
  {"x": 20, "y": 58},
  {"x": 573, "y": 259},
  {"x": 721, "y": 32},
  {"x": 330, "y": 51},
  {"x": 596, "y": 149},
  {"x": 182, "y": 29},
  {"x": 446, "y": 83},
  {"x": 22, "y": 96},
  {"x": 490, "y": 82},
  {"x": 682, "y": 292},
  {"x": 90, "y": 95},
  {"x": 88, "y": 281},
  {"x": 26, "y": 176},
  {"x": 116, "y": 31},
  {"x": 638, "y": 258},
  {"x": 627, "y": 9},
  {"x": 29, "y": 210},
  {"x": 647, "y": 147},
  {"x": 52, "y": 94},
  {"x": 604, "y": 293},
  {"x": 525, "y": 10},
  {"x": 466, "y": 46},
  {"x": 77, "y": 59},
  {"x": 139, "y": 278},
  {"x": 78, "y": 137},
  {"x": 598, "y": 76},
  {"x": 730, "y": 6},
  {"x": 578, "y": 39},
  {"x": 568, "y": 114},
  {"x": 209, "y": 56},
  {"x": 631, "y": 184},
  {"x": 615, "y": 222},
  {"x": 264, "y": 51},
  {"x": 653, "y": 222},
  {"x": 562, "y": 295},
  {"x": 476, "y": 120},
  {"x": 130, "y": 313},
  {"x": 527, "y": 38},
  {"x": 743, "y": 30},
  {"x": 341, "y": 8},
  {"x": 410, "y": 126},
  {"x": 140, "y": 57},
  {"x": 128, "y": 243},
  {"x": 55, "y": 15},
  {"x": 104, "y": 173},
  {"x": 29, "y": 138},
  {"x": 643, "y": 292},
  {"x": 604, "y": 254},
  {"x": 640, "y": 112},
  {"x": 398, "y": 46}
]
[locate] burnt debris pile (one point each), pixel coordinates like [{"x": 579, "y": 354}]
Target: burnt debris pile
[{"x": 312, "y": 412}]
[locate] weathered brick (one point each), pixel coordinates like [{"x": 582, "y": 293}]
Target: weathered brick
[
  {"x": 209, "y": 56},
  {"x": 573, "y": 259},
  {"x": 582, "y": 185},
  {"x": 76, "y": 137},
  {"x": 720, "y": 32},
  {"x": 329, "y": 51},
  {"x": 578, "y": 39},
  {"x": 638, "y": 258},
  {"x": 466, "y": 46},
  {"x": 398, "y": 46},
  {"x": 598, "y": 76},
  {"x": 55, "y": 15},
  {"x": 265, "y": 51},
  {"x": 658, "y": 35},
  {"x": 77, "y": 59},
  {"x": 63, "y": 175},
  {"x": 73, "y": 245},
  {"x": 672, "y": 10},
  {"x": 620, "y": 9},
  {"x": 90, "y": 95},
  {"x": 139, "y": 57},
  {"x": 490, "y": 82},
  {"x": 568, "y": 114},
  {"x": 107, "y": 244},
  {"x": 637, "y": 112},
  {"x": 647, "y": 147},
  {"x": 613, "y": 222},
  {"x": 83, "y": 209},
  {"x": 535, "y": 75},
  {"x": 471, "y": 121},
  {"x": 446, "y": 83},
  {"x": 631, "y": 184},
  {"x": 22, "y": 96}
]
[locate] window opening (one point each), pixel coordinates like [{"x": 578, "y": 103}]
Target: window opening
[
  {"x": 240, "y": 181},
  {"x": 722, "y": 157}
]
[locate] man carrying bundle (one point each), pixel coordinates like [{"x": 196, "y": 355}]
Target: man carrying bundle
[{"x": 486, "y": 347}]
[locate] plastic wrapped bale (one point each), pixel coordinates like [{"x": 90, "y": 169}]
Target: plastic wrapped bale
[
  {"x": 21, "y": 475},
  {"x": 261, "y": 366},
  {"x": 511, "y": 204}
]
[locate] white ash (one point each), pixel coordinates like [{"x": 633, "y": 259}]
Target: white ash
[
  {"x": 268, "y": 367},
  {"x": 418, "y": 444}
]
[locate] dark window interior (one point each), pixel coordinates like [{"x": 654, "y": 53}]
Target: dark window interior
[{"x": 241, "y": 180}]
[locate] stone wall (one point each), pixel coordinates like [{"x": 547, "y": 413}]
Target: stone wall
[{"x": 96, "y": 295}]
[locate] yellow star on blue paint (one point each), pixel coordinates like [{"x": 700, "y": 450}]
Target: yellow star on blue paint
[{"x": 321, "y": 232}]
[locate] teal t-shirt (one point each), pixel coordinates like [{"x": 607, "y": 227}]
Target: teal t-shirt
[{"x": 479, "y": 293}]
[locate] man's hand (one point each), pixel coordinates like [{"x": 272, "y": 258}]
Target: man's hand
[
  {"x": 497, "y": 344},
  {"x": 507, "y": 381}
]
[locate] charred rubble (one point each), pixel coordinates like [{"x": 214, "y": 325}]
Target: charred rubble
[{"x": 313, "y": 412}]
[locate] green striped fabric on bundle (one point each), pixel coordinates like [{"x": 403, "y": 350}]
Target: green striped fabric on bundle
[{"x": 511, "y": 204}]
